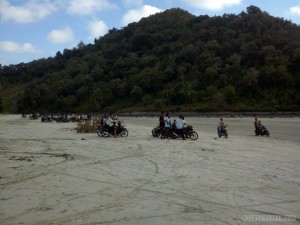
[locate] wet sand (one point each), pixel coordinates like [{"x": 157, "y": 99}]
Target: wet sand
[{"x": 49, "y": 174}]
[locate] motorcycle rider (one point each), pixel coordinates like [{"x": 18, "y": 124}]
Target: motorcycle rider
[
  {"x": 259, "y": 128},
  {"x": 221, "y": 125},
  {"x": 179, "y": 125},
  {"x": 162, "y": 124},
  {"x": 184, "y": 123},
  {"x": 102, "y": 121},
  {"x": 111, "y": 125}
]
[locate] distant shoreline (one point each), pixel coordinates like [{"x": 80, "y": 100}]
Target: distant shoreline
[
  {"x": 216, "y": 114},
  {"x": 193, "y": 114}
]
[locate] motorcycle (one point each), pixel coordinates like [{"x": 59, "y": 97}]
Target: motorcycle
[
  {"x": 262, "y": 130},
  {"x": 222, "y": 131},
  {"x": 188, "y": 132},
  {"x": 105, "y": 131},
  {"x": 46, "y": 119}
]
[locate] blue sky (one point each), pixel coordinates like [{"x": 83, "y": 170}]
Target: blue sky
[{"x": 34, "y": 29}]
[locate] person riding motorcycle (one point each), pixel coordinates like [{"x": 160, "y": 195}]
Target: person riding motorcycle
[
  {"x": 221, "y": 125},
  {"x": 179, "y": 125},
  {"x": 111, "y": 125},
  {"x": 259, "y": 127}
]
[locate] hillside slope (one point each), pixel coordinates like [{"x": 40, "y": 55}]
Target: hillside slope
[{"x": 172, "y": 60}]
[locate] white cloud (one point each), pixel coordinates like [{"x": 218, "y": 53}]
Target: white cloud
[
  {"x": 97, "y": 29},
  {"x": 135, "y": 15},
  {"x": 29, "y": 12},
  {"x": 13, "y": 47},
  {"x": 61, "y": 36},
  {"x": 295, "y": 10},
  {"x": 88, "y": 7},
  {"x": 213, "y": 5}
]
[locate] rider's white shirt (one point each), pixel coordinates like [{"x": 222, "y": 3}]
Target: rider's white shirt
[
  {"x": 179, "y": 123},
  {"x": 109, "y": 122},
  {"x": 167, "y": 122}
]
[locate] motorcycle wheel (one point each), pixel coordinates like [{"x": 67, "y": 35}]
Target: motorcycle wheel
[
  {"x": 267, "y": 134},
  {"x": 124, "y": 133},
  {"x": 105, "y": 134},
  {"x": 173, "y": 135},
  {"x": 226, "y": 135},
  {"x": 99, "y": 133},
  {"x": 155, "y": 132},
  {"x": 193, "y": 135}
]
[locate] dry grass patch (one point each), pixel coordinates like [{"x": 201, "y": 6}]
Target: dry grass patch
[{"x": 86, "y": 127}]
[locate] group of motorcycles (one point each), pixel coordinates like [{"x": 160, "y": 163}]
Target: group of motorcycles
[
  {"x": 261, "y": 131},
  {"x": 188, "y": 131},
  {"x": 191, "y": 134},
  {"x": 173, "y": 133}
]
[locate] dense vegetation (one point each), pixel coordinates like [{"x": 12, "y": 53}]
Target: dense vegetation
[{"x": 171, "y": 60}]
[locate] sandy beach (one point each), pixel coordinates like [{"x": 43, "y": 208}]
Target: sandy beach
[{"x": 49, "y": 174}]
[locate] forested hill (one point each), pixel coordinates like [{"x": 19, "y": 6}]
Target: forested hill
[{"x": 171, "y": 60}]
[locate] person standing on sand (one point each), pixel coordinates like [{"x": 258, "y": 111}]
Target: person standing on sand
[
  {"x": 256, "y": 125},
  {"x": 162, "y": 124},
  {"x": 167, "y": 125}
]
